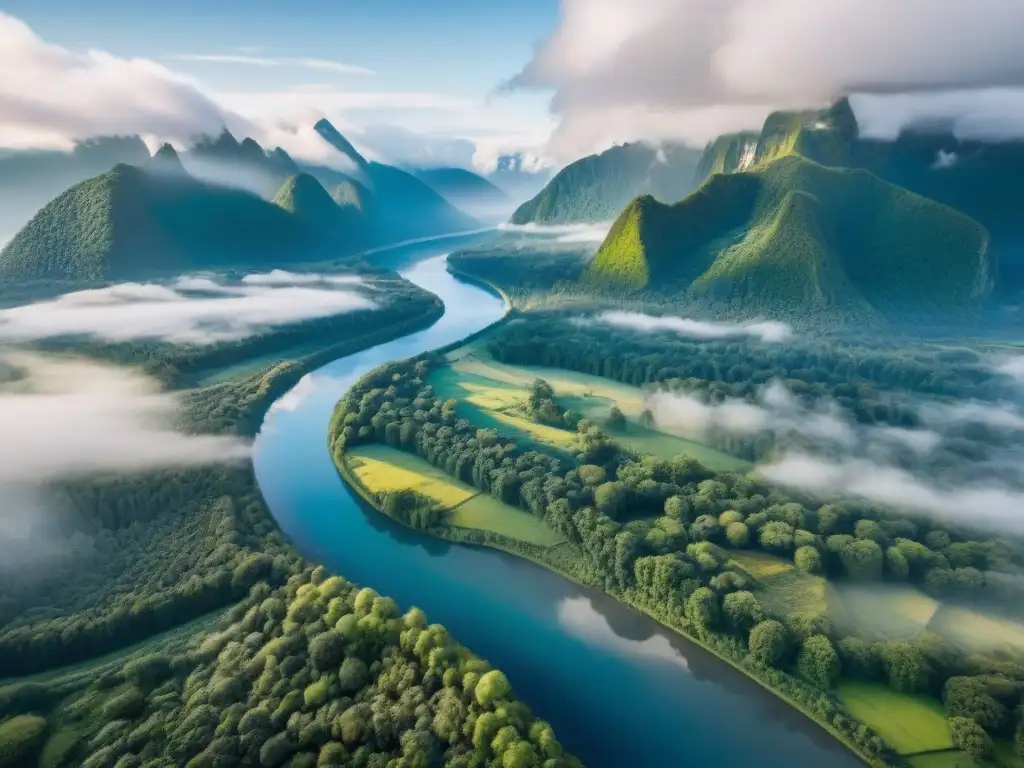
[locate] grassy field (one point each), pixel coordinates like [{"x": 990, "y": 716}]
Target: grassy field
[
  {"x": 976, "y": 632},
  {"x": 887, "y": 612},
  {"x": 488, "y": 390},
  {"x": 380, "y": 468},
  {"x": 782, "y": 589},
  {"x": 909, "y": 723},
  {"x": 953, "y": 758},
  {"x": 485, "y": 513}
]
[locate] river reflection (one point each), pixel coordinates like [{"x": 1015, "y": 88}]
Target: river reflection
[{"x": 619, "y": 689}]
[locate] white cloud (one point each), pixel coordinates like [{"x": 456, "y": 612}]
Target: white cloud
[
  {"x": 328, "y": 65},
  {"x": 768, "y": 331},
  {"x": 972, "y": 412},
  {"x": 593, "y": 233},
  {"x": 50, "y": 96},
  {"x": 132, "y": 311},
  {"x": 990, "y": 505},
  {"x": 631, "y": 69},
  {"x": 70, "y": 418}
]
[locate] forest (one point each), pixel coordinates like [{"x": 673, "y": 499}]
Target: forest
[{"x": 677, "y": 540}]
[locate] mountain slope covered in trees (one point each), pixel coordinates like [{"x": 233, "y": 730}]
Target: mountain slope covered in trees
[
  {"x": 465, "y": 189},
  {"x": 794, "y": 237},
  {"x": 130, "y": 222},
  {"x": 597, "y": 187},
  {"x": 983, "y": 179}
]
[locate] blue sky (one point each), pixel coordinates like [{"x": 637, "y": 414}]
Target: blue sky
[{"x": 434, "y": 63}]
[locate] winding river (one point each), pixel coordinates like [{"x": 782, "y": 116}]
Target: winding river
[{"x": 618, "y": 688}]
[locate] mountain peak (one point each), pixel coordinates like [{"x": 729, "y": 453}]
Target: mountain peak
[
  {"x": 166, "y": 160},
  {"x": 333, "y": 136}
]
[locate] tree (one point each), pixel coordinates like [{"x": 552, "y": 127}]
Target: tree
[
  {"x": 492, "y": 687},
  {"x": 327, "y": 650},
  {"x": 906, "y": 667},
  {"x": 609, "y": 499},
  {"x": 969, "y": 737},
  {"x": 776, "y": 536},
  {"x": 859, "y": 659},
  {"x": 770, "y": 643},
  {"x": 738, "y": 534},
  {"x": 896, "y": 564},
  {"x": 677, "y": 507},
  {"x": 353, "y": 674},
  {"x": 808, "y": 560},
  {"x": 817, "y": 662},
  {"x": 968, "y": 697},
  {"x": 702, "y": 608},
  {"x": 742, "y": 610},
  {"x": 591, "y": 475},
  {"x": 616, "y": 419}
]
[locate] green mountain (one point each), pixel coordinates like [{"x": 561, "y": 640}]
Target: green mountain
[
  {"x": 597, "y": 187},
  {"x": 304, "y": 197},
  {"x": 793, "y": 238},
  {"x": 334, "y": 137},
  {"x": 466, "y": 190},
  {"x": 166, "y": 160},
  {"x": 984, "y": 180},
  {"x": 131, "y": 222},
  {"x": 30, "y": 179}
]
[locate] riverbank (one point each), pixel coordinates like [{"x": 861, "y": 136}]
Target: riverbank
[{"x": 542, "y": 557}]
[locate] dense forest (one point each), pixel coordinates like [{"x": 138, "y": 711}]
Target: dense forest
[
  {"x": 312, "y": 672},
  {"x": 660, "y": 534}
]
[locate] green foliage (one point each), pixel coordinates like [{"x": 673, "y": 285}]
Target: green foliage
[
  {"x": 794, "y": 238},
  {"x": 818, "y": 662},
  {"x": 770, "y": 643},
  {"x": 970, "y": 737},
  {"x": 20, "y": 740}
]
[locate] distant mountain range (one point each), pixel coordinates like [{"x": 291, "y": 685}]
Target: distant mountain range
[
  {"x": 597, "y": 187},
  {"x": 518, "y": 177},
  {"x": 221, "y": 202},
  {"x": 468, "y": 191}
]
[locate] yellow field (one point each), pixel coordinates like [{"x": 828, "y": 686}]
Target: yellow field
[
  {"x": 784, "y": 591},
  {"x": 909, "y": 723},
  {"x": 485, "y": 513},
  {"x": 381, "y": 469},
  {"x": 760, "y": 565},
  {"x": 975, "y": 631},
  {"x": 487, "y": 390}
]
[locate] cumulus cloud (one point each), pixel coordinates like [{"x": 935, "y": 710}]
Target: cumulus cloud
[
  {"x": 51, "y": 96},
  {"x": 714, "y": 65},
  {"x": 197, "y": 310},
  {"x": 699, "y": 329},
  {"x": 68, "y": 418},
  {"x": 593, "y": 233},
  {"x": 990, "y": 505}
]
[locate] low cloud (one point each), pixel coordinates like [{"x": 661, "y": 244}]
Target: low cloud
[
  {"x": 698, "y": 329},
  {"x": 634, "y": 69},
  {"x": 593, "y": 233},
  {"x": 972, "y": 412},
  {"x": 989, "y": 505},
  {"x": 775, "y": 410},
  {"x": 196, "y": 310},
  {"x": 68, "y": 418}
]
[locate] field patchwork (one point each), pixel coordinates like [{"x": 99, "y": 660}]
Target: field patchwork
[
  {"x": 910, "y": 723},
  {"x": 381, "y": 469}
]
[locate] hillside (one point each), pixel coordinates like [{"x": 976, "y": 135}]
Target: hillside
[
  {"x": 597, "y": 187},
  {"x": 466, "y": 190},
  {"x": 794, "y": 237},
  {"x": 304, "y": 197},
  {"x": 30, "y": 179},
  {"x": 984, "y": 180},
  {"x": 130, "y": 222}
]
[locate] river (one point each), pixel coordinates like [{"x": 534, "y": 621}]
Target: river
[{"x": 618, "y": 688}]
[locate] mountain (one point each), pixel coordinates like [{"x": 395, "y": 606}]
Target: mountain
[
  {"x": 403, "y": 207},
  {"x": 224, "y": 160},
  {"x": 131, "y": 222},
  {"x": 597, "y": 187},
  {"x": 467, "y": 191},
  {"x": 794, "y": 239},
  {"x": 984, "y": 180},
  {"x": 166, "y": 160},
  {"x": 304, "y": 197},
  {"x": 29, "y": 179}
]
